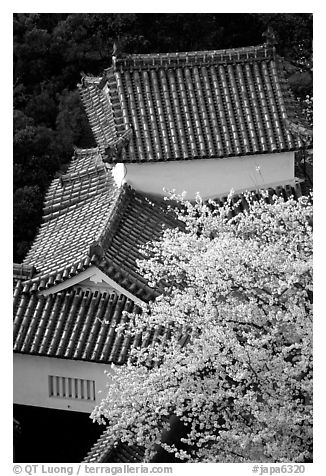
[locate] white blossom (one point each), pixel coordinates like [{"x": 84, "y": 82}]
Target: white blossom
[{"x": 241, "y": 382}]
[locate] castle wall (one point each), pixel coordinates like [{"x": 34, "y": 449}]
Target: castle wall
[
  {"x": 210, "y": 177},
  {"x": 35, "y": 378}
]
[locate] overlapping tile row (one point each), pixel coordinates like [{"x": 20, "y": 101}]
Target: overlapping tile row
[
  {"x": 78, "y": 207},
  {"x": 73, "y": 324},
  {"x": 204, "y": 112},
  {"x": 134, "y": 283},
  {"x": 86, "y": 176},
  {"x": 104, "y": 452},
  {"x": 74, "y": 189},
  {"x": 199, "y": 105},
  {"x": 84, "y": 159},
  {"x": 98, "y": 109}
]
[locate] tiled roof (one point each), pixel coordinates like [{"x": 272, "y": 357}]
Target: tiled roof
[
  {"x": 104, "y": 452},
  {"x": 77, "y": 208},
  {"x": 84, "y": 159},
  {"x": 73, "y": 324},
  {"x": 99, "y": 111},
  {"x": 78, "y": 324},
  {"x": 89, "y": 221},
  {"x": 176, "y": 106},
  {"x": 139, "y": 220}
]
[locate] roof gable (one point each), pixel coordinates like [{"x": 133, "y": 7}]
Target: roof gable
[
  {"x": 88, "y": 221},
  {"x": 79, "y": 323},
  {"x": 178, "y": 106}
]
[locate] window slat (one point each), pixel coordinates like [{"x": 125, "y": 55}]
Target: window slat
[{"x": 71, "y": 388}]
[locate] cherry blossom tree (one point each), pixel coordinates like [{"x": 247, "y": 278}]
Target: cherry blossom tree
[{"x": 232, "y": 356}]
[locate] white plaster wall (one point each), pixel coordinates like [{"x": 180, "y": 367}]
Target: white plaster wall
[
  {"x": 31, "y": 381},
  {"x": 209, "y": 177}
]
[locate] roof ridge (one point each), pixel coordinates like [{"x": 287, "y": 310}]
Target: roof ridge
[
  {"x": 106, "y": 234},
  {"x": 115, "y": 147},
  {"x": 92, "y": 94},
  {"x": 78, "y": 151},
  {"x": 88, "y": 79},
  {"x": 192, "y": 57}
]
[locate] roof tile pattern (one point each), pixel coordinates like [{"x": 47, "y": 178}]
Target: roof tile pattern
[
  {"x": 197, "y": 105},
  {"x": 84, "y": 159},
  {"x": 99, "y": 111},
  {"x": 104, "y": 452},
  {"x": 89, "y": 221},
  {"x": 78, "y": 208},
  {"x": 73, "y": 324},
  {"x": 79, "y": 324},
  {"x": 139, "y": 221}
]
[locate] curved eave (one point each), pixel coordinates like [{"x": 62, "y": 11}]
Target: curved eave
[{"x": 124, "y": 159}]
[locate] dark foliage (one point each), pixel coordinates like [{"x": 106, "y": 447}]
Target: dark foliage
[{"x": 51, "y": 50}]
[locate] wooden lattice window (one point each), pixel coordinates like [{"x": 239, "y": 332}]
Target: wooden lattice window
[{"x": 69, "y": 387}]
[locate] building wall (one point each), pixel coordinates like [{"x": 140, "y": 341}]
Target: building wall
[
  {"x": 209, "y": 177},
  {"x": 32, "y": 376}
]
